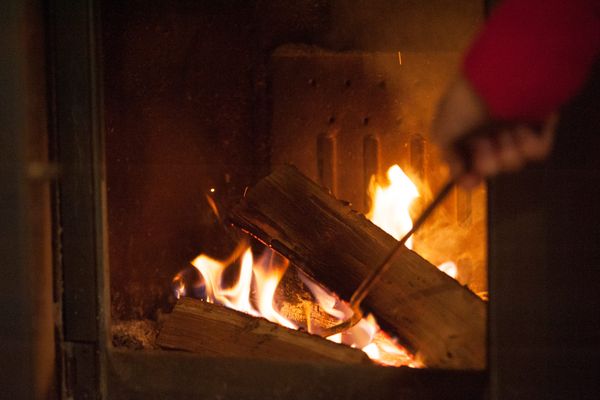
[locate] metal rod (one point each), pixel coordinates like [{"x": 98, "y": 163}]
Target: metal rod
[{"x": 363, "y": 290}]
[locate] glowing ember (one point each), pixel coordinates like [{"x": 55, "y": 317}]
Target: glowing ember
[
  {"x": 366, "y": 335},
  {"x": 326, "y": 300}
]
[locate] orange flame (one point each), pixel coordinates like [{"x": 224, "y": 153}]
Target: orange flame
[
  {"x": 391, "y": 203},
  {"x": 266, "y": 276},
  {"x": 390, "y": 209}
]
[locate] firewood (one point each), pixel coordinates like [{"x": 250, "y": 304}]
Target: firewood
[
  {"x": 295, "y": 302},
  {"x": 440, "y": 321},
  {"x": 214, "y": 330}
]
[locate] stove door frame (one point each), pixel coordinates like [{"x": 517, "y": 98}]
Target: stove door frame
[
  {"x": 92, "y": 368},
  {"x": 79, "y": 195}
]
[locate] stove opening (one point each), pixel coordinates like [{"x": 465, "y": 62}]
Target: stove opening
[{"x": 203, "y": 101}]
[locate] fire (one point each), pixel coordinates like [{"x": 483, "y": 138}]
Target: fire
[
  {"x": 268, "y": 273},
  {"x": 265, "y": 273},
  {"x": 365, "y": 335},
  {"x": 254, "y": 293},
  {"x": 391, "y": 203},
  {"x": 390, "y": 206},
  {"x": 254, "y": 289},
  {"x": 450, "y": 268}
]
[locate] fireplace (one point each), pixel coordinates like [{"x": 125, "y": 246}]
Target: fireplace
[
  {"x": 176, "y": 149},
  {"x": 162, "y": 116},
  {"x": 209, "y": 118}
]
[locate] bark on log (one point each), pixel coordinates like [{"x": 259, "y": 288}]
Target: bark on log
[
  {"x": 210, "y": 329},
  {"x": 436, "y": 318}
]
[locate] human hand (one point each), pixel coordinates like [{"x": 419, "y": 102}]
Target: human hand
[{"x": 475, "y": 146}]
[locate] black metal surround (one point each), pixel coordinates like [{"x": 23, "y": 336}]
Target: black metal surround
[
  {"x": 154, "y": 375},
  {"x": 544, "y": 266},
  {"x": 27, "y": 361},
  {"x": 76, "y": 145}
]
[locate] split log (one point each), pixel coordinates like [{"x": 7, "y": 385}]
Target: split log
[
  {"x": 440, "y": 321},
  {"x": 211, "y": 329}
]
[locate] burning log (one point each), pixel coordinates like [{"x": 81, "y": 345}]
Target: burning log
[
  {"x": 211, "y": 329},
  {"x": 295, "y": 302},
  {"x": 436, "y": 318}
]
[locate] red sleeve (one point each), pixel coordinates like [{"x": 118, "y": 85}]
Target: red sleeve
[{"x": 533, "y": 56}]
